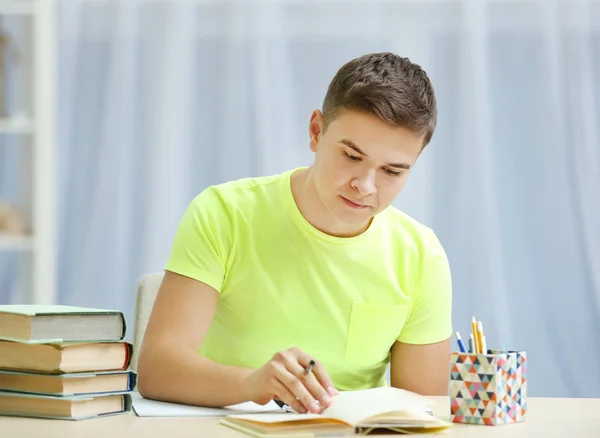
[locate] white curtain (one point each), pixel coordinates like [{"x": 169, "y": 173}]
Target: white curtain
[{"x": 159, "y": 99}]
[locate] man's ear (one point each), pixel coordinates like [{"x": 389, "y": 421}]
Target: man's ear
[{"x": 315, "y": 128}]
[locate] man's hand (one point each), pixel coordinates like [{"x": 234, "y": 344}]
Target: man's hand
[{"x": 285, "y": 378}]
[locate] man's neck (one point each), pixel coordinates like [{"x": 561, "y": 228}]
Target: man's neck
[{"x": 314, "y": 211}]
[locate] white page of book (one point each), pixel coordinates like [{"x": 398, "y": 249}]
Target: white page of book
[
  {"x": 152, "y": 408},
  {"x": 355, "y": 406}
]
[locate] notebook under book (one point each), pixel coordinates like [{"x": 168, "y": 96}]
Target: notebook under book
[
  {"x": 33, "y": 323},
  {"x": 387, "y": 410}
]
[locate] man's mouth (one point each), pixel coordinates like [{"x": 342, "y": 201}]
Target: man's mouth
[{"x": 353, "y": 204}]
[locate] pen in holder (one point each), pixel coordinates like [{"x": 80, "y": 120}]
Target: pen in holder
[{"x": 489, "y": 389}]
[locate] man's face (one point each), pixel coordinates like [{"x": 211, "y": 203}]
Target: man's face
[{"x": 361, "y": 164}]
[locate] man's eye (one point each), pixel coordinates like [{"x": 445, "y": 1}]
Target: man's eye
[
  {"x": 351, "y": 157},
  {"x": 392, "y": 172}
]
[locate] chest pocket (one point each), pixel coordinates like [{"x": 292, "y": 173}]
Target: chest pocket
[{"x": 372, "y": 331}]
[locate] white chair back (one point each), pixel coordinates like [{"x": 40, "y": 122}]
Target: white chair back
[{"x": 146, "y": 295}]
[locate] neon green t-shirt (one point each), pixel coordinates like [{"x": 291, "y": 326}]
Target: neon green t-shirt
[{"x": 283, "y": 283}]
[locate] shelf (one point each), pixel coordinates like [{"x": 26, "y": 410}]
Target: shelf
[
  {"x": 10, "y": 242},
  {"x": 17, "y": 7},
  {"x": 15, "y": 125},
  {"x": 31, "y": 120}
]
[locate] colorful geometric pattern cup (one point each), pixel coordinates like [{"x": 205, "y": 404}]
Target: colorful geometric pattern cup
[{"x": 489, "y": 389}]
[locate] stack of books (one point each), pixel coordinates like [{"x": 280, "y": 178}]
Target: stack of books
[{"x": 64, "y": 362}]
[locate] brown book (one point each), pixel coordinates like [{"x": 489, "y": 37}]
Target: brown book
[
  {"x": 67, "y": 408},
  {"x": 60, "y": 358},
  {"x": 32, "y": 323},
  {"x": 68, "y": 384}
]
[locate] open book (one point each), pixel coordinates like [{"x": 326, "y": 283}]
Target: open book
[{"x": 353, "y": 412}]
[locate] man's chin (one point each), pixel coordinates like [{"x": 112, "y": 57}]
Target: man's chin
[{"x": 354, "y": 220}]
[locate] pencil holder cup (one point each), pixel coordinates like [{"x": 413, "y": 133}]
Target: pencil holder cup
[{"x": 488, "y": 389}]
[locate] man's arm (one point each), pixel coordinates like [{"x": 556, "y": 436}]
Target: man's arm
[
  {"x": 169, "y": 367},
  {"x": 424, "y": 369}
]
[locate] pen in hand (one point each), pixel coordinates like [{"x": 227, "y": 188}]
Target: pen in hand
[{"x": 279, "y": 403}]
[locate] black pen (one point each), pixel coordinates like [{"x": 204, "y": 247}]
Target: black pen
[
  {"x": 308, "y": 370},
  {"x": 280, "y": 403}
]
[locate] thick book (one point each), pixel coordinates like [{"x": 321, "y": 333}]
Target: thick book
[
  {"x": 77, "y": 407},
  {"x": 378, "y": 410},
  {"x": 33, "y": 323},
  {"x": 64, "y": 385},
  {"x": 61, "y": 358}
]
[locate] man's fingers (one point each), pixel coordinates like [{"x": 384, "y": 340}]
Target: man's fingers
[
  {"x": 310, "y": 381},
  {"x": 287, "y": 397},
  {"x": 299, "y": 391},
  {"x": 317, "y": 369},
  {"x": 314, "y": 388},
  {"x": 324, "y": 379}
]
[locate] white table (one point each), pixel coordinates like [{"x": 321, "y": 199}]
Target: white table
[{"x": 546, "y": 418}]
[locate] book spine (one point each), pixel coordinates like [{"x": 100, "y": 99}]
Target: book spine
[
  {"x": 131, "y": 382},
  {"x": 128, "y": 349}
]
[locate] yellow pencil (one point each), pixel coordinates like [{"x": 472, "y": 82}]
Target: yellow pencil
[
  {"x": 481, "y": 337},
  {"x": 477, "y": 345}
]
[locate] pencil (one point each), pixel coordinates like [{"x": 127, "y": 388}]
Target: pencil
[
  {"x": 475, "y": 335},
  {"x": 481, "y": 337}
]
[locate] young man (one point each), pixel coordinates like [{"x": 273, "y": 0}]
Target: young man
[{"x": 268, "y": 274}]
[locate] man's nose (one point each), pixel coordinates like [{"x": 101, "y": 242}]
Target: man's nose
[{"x": 365, "y": 184}]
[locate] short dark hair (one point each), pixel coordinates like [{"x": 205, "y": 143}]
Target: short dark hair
[{"x": 387, "y": 86}]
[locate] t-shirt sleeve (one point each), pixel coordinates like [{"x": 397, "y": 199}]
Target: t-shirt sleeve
[
  {"x": 202, "y": 241},
  {"x": 430, "y": 319}
]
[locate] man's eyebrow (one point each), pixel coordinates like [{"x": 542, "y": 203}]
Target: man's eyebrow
[{"x": 353, "y": 146}]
